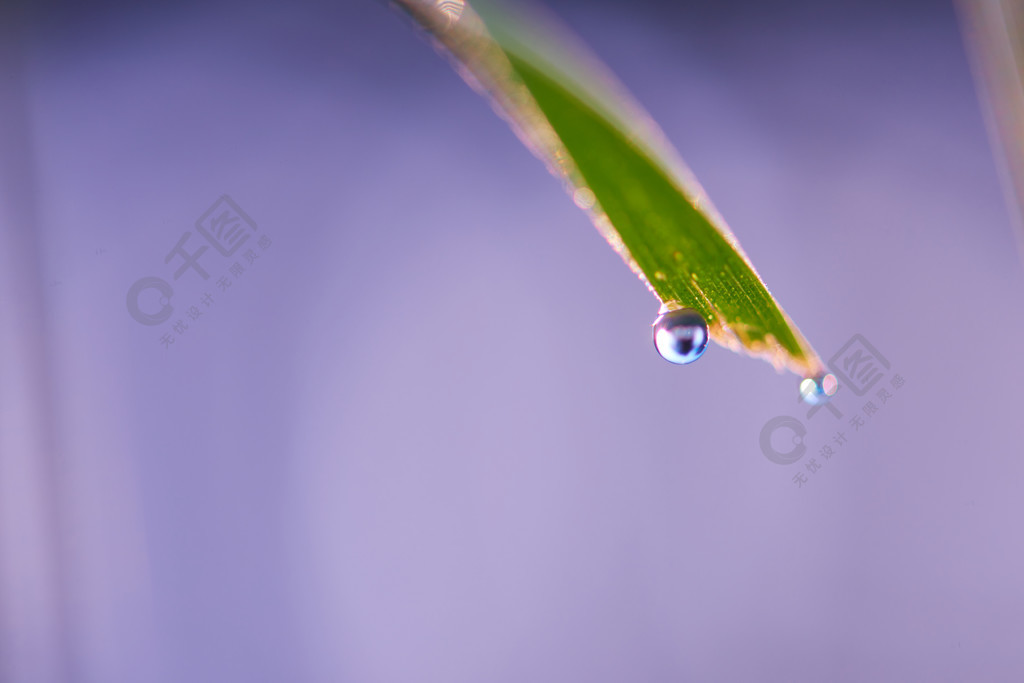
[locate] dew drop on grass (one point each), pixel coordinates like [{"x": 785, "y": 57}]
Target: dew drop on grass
[
  {"x": 819, "y": 389},
  {"x": 584, "y": 198},
  {"x": 681, "y": 336}
]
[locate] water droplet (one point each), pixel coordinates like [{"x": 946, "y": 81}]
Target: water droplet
[
  {"x": 658, "y": 275},
  {"x": 819, "y": 389},
  {"x": 680, "y": 336},
  {"x": 584, "y": 198}
]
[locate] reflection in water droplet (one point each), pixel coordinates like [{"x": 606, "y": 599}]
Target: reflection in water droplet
[
  {"x": 452, "y": 10},
  {"x": 681, "y": 336},
  {"x": 818, "y": 390}
]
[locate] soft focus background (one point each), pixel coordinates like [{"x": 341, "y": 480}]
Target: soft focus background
[{"x": 424, "y": 436}]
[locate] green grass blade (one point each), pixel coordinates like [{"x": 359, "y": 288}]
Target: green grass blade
[{"x": 620, "y": 169}]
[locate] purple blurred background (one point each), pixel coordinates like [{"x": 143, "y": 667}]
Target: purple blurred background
[{"x": 424, "y": 435}]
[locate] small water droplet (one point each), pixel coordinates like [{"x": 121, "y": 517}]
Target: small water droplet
[
  {"x": 584, "y": 198},
  {"x": 681, "y": 336},
  {"x": 819, "y": 389},
  {"x": 658, "y": 275}
]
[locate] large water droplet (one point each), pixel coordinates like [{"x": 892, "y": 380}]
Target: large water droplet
[
  {"x": 680, "y": 336},
  {"x": 819, "y": 389}
]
